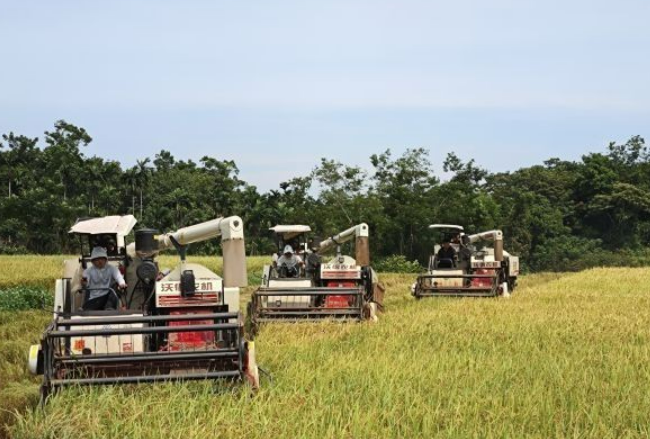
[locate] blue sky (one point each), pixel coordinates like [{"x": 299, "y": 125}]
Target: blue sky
[{"x": 277, "y": 85}]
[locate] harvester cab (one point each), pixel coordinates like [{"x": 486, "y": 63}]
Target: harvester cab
[
  {"x": 337, "y": 287},
  {"x": 108, "y": 233},
  {"x": 170, "y": 325},
  {"x": 450, "y": 236},
  {"x": 295, "y": 237},
  {"x": 467, "y": 265}
]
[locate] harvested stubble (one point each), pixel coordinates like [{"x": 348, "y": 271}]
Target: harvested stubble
[{"x": 567, "y": 356}]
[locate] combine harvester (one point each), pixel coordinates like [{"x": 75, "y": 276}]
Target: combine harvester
[
  {"x": 468, "y": 271},
  {"x": 180, "y": 324},
  {"x": 340, "y": 288}
]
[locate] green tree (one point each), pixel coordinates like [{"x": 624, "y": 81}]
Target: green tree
[
  {"x": 405, "y": 187},
  {"x": 17, "y": 155},
  {"x": 63, "y": 156}
]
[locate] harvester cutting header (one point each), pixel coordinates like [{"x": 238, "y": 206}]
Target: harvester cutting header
[
  {"x": 179, "y": 324},
  {"x": 299, "y": 285},
  {"x": 459, "y": 267}
]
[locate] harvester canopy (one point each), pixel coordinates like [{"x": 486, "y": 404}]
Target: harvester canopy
[
  {"x": 447, "y": 227},
  {"x": 108, "y": 232},
  {"x": 118, "y": 225},
  {"x": 290, "y": 231}
]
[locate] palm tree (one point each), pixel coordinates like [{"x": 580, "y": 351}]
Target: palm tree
[
  {"x": 143, "y": 175},
  {"x": 96, "y": 180},
  {"x": 131, "y": 179}
]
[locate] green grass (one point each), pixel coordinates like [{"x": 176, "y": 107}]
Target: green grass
[
  {"x": 566, "y": 356},
  {"x": 17, "y": 388}
]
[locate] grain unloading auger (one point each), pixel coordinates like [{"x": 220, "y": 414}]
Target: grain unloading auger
[
  {"x": 339, "y": 288},
  {"x": 467, "y": 271},
  {"x": 180, "y": 324}
]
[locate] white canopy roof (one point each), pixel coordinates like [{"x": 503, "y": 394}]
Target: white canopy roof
[
  {"x": 291, "y": 229},
  {"x": 446, "y": 226},
  {"x": 120, "y": 225}
]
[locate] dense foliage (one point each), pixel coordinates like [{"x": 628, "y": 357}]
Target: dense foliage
[
  {"x": 396, "y": 264},
  {"x": 554, "y": 215},
  {"x": 24, "y": 298}
]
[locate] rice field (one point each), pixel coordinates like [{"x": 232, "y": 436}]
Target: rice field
[
  {"x": 42, "y": 270},
  {"x": 566, "y": 356}
]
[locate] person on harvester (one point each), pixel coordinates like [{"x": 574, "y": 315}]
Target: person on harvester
[
  {"x": 289, "y": 263},
  {"x": 99, "y": 278},
  {"x": 446, "y": 255}
]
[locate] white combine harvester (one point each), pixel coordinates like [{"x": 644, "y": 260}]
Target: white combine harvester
[
  {"x": 472, "y": 271},
  {"x": 341, "y": 287},
  {"x": 180, "y": 324}
]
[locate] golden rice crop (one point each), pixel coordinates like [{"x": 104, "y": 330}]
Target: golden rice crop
[
  {"x": 566, "y": 356},
  {"x": 30, "y": 270},
  {"x": 42, "y": 270}
]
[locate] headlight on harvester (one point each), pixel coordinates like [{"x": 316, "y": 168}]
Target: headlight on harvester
[{"x": 35, "y": 360}]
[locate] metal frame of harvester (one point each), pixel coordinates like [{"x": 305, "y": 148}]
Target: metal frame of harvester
[
  {"x": 484, "y": 272},
  {"x": 175, "y": 325}
]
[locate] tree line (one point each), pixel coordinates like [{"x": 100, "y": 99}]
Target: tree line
[{"x": 557, "y": 215}]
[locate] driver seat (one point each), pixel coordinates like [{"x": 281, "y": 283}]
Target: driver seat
[{"x": 445, "y": 263}]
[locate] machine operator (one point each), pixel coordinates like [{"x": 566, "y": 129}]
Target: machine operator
[
  {"x": 446, "y": 255},
  {"x": 289, "y": 263},
  {"x": 98, "y": 278},
  {"x": 313, "y": 259}
]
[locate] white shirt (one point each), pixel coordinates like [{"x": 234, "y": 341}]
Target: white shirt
[
  {"x": 102, "y": 278},
  {"x": 291, "y": 261}
]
